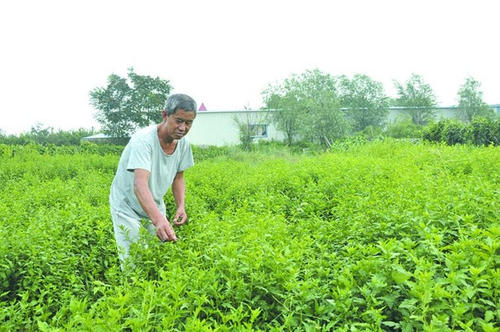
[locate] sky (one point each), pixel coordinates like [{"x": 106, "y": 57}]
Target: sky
[{"x": 224, "y": 53}]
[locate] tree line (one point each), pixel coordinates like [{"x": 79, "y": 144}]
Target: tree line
[
  {"x": 40, "y": 134},
  {"x": 317, "y": 106},
  {"x": 313, "y": 105}
]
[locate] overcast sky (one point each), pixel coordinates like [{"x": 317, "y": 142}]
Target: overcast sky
[{"x": 224, "y": 53}]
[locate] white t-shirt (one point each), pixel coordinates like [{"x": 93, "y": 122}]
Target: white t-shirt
[{"x": 144, "y": 152}]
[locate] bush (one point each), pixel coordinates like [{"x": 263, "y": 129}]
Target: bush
[
  {"x": 433, "y": 132},
  {"x": 485, "y": 131},
  {"x": 5, "y": 151},
  {"x": 404, "y": 129},
  {"x": 481, "y": 131},
  {"x": 497, "y": 132},
  {"x": 455, "y": 132}
]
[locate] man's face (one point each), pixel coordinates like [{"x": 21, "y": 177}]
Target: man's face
[{"x": 179, "y": 123}]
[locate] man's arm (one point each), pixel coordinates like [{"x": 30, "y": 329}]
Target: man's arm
[
  {"x": 179, "y": 192},
  {"x": 141, "y": 189}
]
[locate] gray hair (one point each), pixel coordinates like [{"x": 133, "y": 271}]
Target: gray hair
[{"x": 180, "y": 102}]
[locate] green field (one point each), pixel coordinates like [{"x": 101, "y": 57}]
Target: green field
[{"x": 383, "y": 236}]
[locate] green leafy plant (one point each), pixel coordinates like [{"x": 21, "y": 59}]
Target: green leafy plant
[{"x": 381, "y": 235}]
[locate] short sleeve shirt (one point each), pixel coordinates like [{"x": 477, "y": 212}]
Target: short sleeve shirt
[{"x": 144, "y": 152}]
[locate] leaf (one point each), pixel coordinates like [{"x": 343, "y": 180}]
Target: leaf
[
  {"x": 391, "y": 324},
  {"x": 489, "y": 315},
  {"x": 399, "y": 274}
]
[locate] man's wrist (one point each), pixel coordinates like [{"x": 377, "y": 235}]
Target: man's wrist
[{"x": 157, "y": 219}]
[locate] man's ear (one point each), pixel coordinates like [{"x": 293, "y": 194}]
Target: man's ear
[{"x": 164, "y": 115}]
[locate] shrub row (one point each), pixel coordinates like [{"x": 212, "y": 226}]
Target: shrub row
[
  {"x": 481, "y": 131},
  {"x": 200, "y": 152},
  {"x": 40, "y": 135},
  {"x": 52, "y": 149}
]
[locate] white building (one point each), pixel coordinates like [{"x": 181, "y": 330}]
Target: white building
[{"x": 221, "y": 127}]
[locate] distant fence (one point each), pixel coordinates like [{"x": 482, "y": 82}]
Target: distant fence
[{"x": 440, "y": 112}]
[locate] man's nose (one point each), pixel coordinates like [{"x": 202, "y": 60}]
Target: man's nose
[{"x": 182, "y": 126}]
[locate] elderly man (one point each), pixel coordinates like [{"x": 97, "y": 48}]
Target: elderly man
[{"x": 153, "y": 161}]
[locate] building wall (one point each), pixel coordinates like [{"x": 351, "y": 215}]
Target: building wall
[
  {"x": 220, "y": 128},
  {"x": 397, "y": 114}
]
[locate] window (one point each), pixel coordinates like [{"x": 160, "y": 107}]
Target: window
[{"x": 258, "y": 130}]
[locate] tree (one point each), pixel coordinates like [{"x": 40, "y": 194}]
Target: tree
[
  {"x": 364, "y": 101},
  {"x": 471, "y": 102},
  {"x": 307, "y": 105},
  {"x": 128, "y": 103},
  {"x": 286, "y": 113},
  {"x": 250, "y": 125},
  {"x": 418, "y": 97}
]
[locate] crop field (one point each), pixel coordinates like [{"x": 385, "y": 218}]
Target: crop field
[{"x": 386, "y": 236}]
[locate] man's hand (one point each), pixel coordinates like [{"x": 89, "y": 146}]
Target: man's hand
[
  {"x": 164, "y": 230},
  {"x": 141, "y": 190},
  {"x": 180, "y": 217}
]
